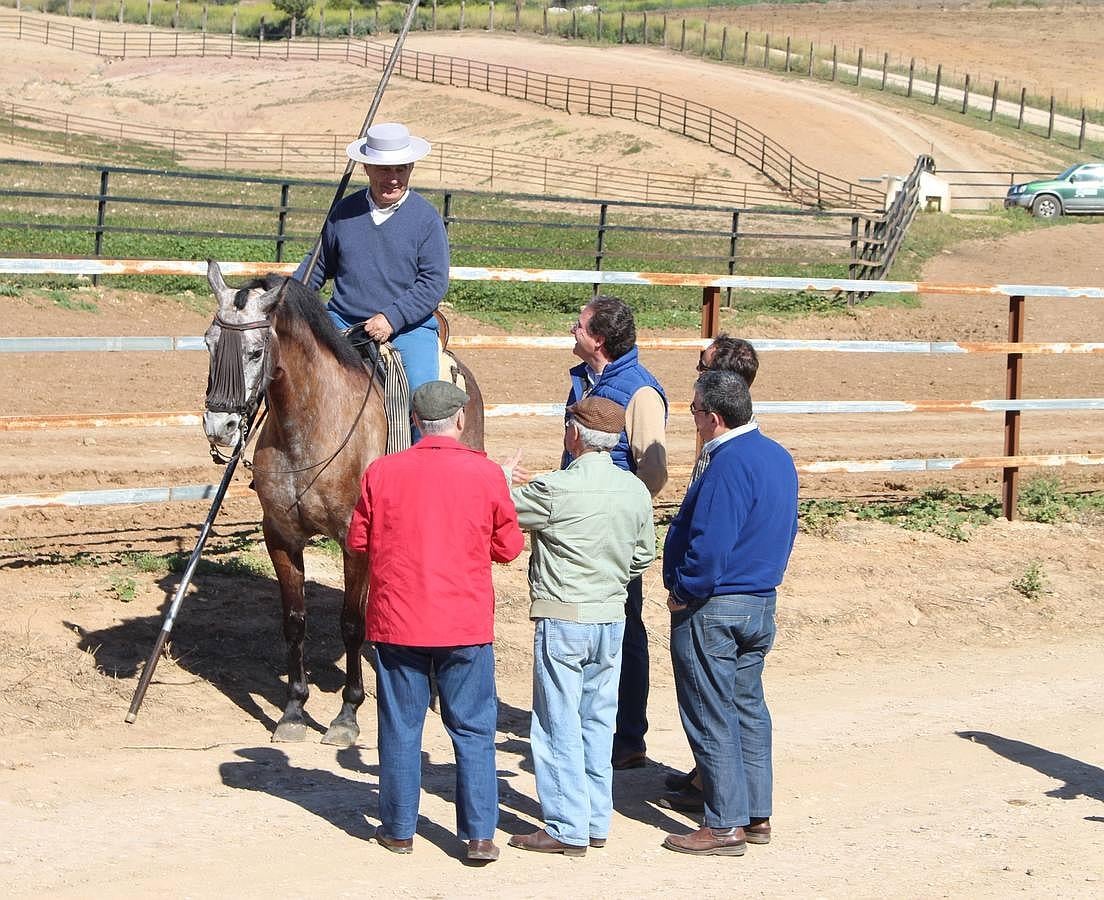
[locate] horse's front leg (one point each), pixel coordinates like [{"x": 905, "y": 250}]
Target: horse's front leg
[
  {"x": 288, "y": 563},
  {"x": 344, "y": 730}
]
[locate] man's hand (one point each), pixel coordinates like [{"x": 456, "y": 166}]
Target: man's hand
[
  {"x": 674, "y": 604},
  {"x": 378, "y": 328},
  {"x": 516, "y": 474}
]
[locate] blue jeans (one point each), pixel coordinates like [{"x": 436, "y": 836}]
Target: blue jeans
[
  {"x": 417, "y": 344},
  {"x": 469, "y": 711},
  {"x": 718, "y": 649},
  {"x": 632, "y": 692},
  {"x": 575, "y": 669}
]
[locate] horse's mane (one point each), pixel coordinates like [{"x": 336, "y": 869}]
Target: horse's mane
[{"x": 300, "y": 303}]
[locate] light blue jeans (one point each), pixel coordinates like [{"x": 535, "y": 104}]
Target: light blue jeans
[{"x": 576, "y": 668}]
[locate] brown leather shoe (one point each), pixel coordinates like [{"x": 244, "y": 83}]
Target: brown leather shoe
[
  {"x": 709, "y": 842},
  {"x": 542, "y": 842},
  {"x": 395, "y": 845},
  {"x": 689, "y": 799},
  {"x": 482, "y": 851},
  {"x": 597, "y": 843},
  {"x": 758, "y": 832},
  {"x": 635, "y": 759}
]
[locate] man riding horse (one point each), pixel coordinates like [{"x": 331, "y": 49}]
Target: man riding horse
[{"x": 386, "y": 252}]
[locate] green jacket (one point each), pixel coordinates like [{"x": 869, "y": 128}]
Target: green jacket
[{"x": 592, "y": 532}]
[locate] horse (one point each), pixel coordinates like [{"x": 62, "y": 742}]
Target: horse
[{"x": 325, "y": 423}]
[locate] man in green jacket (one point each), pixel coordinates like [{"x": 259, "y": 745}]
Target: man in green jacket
[{"x": 592, "y": 532}]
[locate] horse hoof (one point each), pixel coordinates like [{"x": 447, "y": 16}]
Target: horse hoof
[
  {"x": 289, "y": 733},
  {"x": 341, "y": 735}
]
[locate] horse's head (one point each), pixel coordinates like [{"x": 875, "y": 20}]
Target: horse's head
[{"x": 241, "y": 357}]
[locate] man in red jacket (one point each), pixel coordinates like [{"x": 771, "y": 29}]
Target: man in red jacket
[{"x": 432, "y": 519}]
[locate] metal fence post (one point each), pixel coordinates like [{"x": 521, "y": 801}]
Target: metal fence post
[
  {"x": 1010, "y": 476},
  {"x": 600, "y": 246},
  {"x": 885, "y": 69},
  {"x": 912, "y": 73},
  {"x": 966, "y": 95},
  {"x": 859, "y": 68},
  {"x": 853, "y": 265},
  {"x": 1050, "y": 121},
  {"x": 1081, "y": 133},
  {"x": 101, "y": 215},
  {"x": 732, "y": 242},
  {"x": 993, "y": 105},
  {"x": 938, "y": 82},
  {"x": 281, "y": 222},
  {"x": 1023, "y": 103}
]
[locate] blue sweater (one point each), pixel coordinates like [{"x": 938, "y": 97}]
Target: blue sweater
[
  {"x": 399, "y": 268},
  {"x": 736, "y": 527}
]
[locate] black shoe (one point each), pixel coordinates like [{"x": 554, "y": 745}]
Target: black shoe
[
  {"x": 689, "y": 800},
  {"x": 677, "y": 781}
]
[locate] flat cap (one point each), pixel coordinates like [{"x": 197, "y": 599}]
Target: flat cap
[
  {"x": 437, "y": 400},
  {"x": 599, "y": 414}
]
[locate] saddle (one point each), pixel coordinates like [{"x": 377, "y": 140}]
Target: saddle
[{"x": 385, "y": 364}]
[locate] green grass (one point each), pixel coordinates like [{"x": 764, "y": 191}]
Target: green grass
[
  {"x": 954, "y": 515},
  {"x": 1032, "y": 583}
]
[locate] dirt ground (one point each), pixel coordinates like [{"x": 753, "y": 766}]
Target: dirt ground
[{"x": 937, "y": 732}]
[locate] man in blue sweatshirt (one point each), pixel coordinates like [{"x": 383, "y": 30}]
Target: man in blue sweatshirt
[
  {"x": 725, "y": 553},
  {"x": 387, "y": 253}
]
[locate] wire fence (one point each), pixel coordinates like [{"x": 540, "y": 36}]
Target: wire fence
[
  {"x": 696, "y": 121},
  {"x": 1004, "y": 99}
]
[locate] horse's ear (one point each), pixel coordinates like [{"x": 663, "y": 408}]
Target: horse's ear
[
  {"x": 268, "y": 300},
  {"x": 214, "y": 278}
]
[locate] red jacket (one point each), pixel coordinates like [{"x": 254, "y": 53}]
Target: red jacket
[{"x": 432, "y": 519}]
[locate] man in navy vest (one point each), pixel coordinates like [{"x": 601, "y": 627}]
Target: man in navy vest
[{"x": 605, "y": 341}]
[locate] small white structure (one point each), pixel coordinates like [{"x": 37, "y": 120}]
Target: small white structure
[{"x": 934, "y": 195}]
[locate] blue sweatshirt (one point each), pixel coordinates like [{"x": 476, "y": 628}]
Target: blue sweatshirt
[
  {"x": 736, "y": 527},
  {"x": 399, "y": 268}
]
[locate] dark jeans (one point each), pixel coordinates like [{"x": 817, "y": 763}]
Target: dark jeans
[
  {"x": 718, "y": 649},
  {"x": 632, "y": 692},
  {"x": 469, "y": 711}
]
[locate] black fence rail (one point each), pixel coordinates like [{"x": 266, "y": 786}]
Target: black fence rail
[
  {"x": 696, "y": 121},
  {"x": 118, "y": 211},
  {"x": 976, "y": 184}
]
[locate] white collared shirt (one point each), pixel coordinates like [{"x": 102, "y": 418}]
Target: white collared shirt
[
  {"x": 710, "y": 446},
  {"x": 381, "y": 214}
]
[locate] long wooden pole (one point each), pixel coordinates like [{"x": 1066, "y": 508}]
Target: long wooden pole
[{"x": 186, "y": 578}]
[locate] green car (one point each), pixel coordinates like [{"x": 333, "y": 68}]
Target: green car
[{"x": 1079, "y": 189}]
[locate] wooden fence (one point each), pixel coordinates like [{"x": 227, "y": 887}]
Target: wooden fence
[
  {"x": 696, "y": 121},
  {"x": 1014, "y": 350}
]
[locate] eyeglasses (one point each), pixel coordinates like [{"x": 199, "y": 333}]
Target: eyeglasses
[{"x": 695, "y": 409}]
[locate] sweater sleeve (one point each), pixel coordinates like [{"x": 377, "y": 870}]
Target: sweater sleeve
[
  {"x": 646, "y": 428},
  {"x": 720, "y": 511},
  {"x": 430, "y": 281}
]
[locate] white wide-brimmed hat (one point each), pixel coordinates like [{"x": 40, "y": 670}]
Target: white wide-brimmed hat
[{"x": 388, "y": 144}]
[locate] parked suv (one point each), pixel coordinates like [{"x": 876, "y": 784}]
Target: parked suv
[{"x": 1079, "y": 189}]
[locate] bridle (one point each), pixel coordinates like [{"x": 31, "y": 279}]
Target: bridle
[{"x": 226, "y": 391}]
